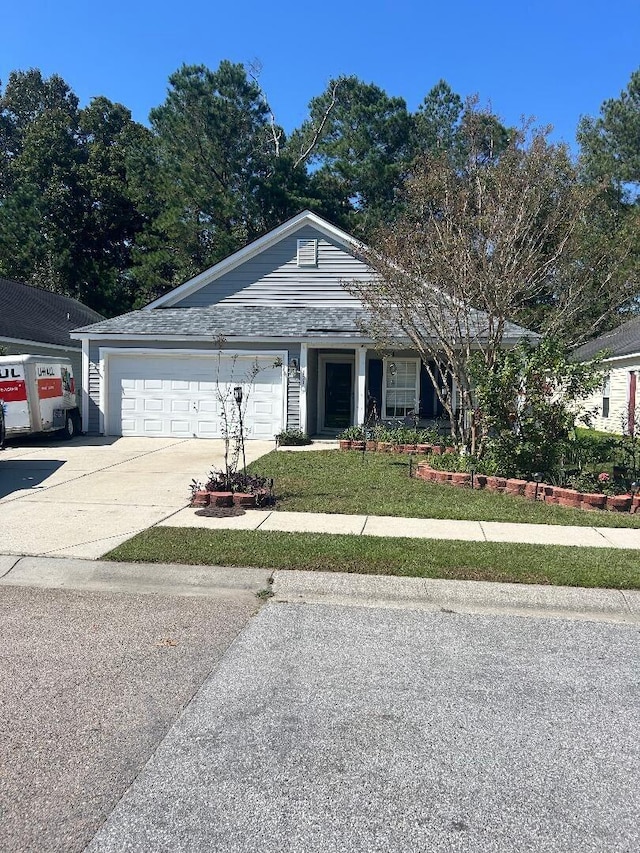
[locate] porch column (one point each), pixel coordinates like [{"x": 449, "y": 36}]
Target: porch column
[
  {"x": 303, "y": 387},
  {"x": 360, "y": 384}
]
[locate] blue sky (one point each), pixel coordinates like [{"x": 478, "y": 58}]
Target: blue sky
[{"x": 552, "y": 60}]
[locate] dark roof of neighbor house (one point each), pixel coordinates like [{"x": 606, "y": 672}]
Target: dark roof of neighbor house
[
  {"x": 29, "y": 313},
  {"x": 625, "y": 340},
  {"x": 244, "y": 323}
]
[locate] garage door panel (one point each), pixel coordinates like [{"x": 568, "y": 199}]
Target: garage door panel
[{"x": 172, "y": 395}]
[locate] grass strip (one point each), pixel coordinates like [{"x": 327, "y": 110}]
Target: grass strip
[
  {"x": 487, "y": 561},
  {"x": 379, "y": 484}
]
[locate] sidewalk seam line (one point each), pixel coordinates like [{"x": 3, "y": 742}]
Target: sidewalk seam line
[
  {"x": 608, "y": 541},
  {"x": 268, "y": 515},
  {"x": 483, "y": 531},
  {"x": 11, "y": 567},
  {"x": 626, "y": 600},
  {"x": 366, "y": 519}
]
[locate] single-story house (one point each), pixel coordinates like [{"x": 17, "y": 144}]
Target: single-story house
[
  {"x": 278, "y": 306},
  {"x": 617, "y": 401},
  {"x": 37, "y": 322}
]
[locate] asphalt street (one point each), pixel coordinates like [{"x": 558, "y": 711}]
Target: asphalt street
[
  {"x": 338, "y": 728},
  {"x": 90, "y": 682}
]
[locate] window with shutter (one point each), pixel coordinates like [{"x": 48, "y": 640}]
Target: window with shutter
[
  {"x": 606, "y": 394},
  {"x": 401, "y": 387}
]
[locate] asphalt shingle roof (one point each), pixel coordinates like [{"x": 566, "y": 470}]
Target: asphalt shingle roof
[
  {"x": 31, "y": 314},
  {"x": 232, "y": 321},
  {"x": 624, "y": 340}
]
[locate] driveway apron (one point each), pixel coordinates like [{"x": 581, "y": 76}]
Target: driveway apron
[{"x": 83, "y": 498}]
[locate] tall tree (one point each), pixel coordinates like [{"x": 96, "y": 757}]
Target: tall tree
[
  {"x": 358, "y": 138},
  {"x": 610, "y": 144},
  {"x": 67, "y": 219},
  {"x": 222, "y": 174}
]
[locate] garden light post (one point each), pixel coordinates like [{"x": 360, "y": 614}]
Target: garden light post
[
  {"x": 237, "y": 396},
  {"x": 538, "y": 477}
]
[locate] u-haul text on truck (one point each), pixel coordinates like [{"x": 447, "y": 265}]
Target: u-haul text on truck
[{"x": 38, "y": 394}]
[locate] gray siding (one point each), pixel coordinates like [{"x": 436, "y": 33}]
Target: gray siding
[
  {"x": 293, "y": 392},
  {"x": 93, "y": 427},
  {"x": 74, "y": 355},
  {"x": 273, "y": 278}
]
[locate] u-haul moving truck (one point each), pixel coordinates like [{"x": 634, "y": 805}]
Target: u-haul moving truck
[{"x": 38, "y": 394}]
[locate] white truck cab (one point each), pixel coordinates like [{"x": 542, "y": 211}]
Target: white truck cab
[{"x": 38, "y": 395}]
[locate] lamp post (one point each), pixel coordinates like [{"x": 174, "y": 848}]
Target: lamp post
[
  {"x": 538, "y": 477},
  {"x": 237, "y": 396}
]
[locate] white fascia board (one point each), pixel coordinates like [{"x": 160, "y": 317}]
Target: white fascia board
[
  {"x": 250, "y": 251},
  {"x": 22, "y": 342},
  {"x": 241, "y": 353},
  {"x": 632, "y": 355},
  {"x": 318, "y": 343}
]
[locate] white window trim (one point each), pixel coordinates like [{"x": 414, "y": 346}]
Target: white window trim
[{"x": 385, "y": 364}]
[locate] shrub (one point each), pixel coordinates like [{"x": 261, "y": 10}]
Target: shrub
[
  {"x": 352, "y": 433},
  {"x": 292, "y": 438}
]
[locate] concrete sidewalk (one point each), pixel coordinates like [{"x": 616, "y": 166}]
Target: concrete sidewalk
[
  {"x": 415, "y": 528},
  {"x": 331, "y": 588}
]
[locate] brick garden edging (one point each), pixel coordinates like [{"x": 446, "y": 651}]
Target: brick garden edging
[
  {"x": 389, "y": 447},
  {"x": 527, "y": 489}
]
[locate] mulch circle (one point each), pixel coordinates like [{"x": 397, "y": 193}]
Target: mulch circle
[{"x": 220, "y": 511}]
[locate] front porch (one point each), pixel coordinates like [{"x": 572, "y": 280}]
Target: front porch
[{"x": 347, "y": 386}]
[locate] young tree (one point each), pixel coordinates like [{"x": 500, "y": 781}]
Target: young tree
[
  {"x": 476, "y": 242},
  {"x": 527, "y": 404}
]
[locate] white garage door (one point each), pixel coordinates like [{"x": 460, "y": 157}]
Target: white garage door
[{"x": 183, "y": 395}]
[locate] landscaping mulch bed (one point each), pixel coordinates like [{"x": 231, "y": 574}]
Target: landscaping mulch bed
[{"x": 220, "y": 511}]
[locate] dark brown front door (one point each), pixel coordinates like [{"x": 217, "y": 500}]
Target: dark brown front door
[{"x": 338, "y": 394}]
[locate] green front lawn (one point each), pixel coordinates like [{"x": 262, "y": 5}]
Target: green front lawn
[
  {"x": 489, "y": 561},
  {"x": 378, "y": 484}
]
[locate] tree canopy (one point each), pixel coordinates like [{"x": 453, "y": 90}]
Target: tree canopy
[{"x": 100, "y": 207}]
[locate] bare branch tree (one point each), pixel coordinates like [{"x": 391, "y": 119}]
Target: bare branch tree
[
  {"x": 254, "y": 70},
  {"x": 318, "y": 129},
  {"x": 475, "y": 244}
]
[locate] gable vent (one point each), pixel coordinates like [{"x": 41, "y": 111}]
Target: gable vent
[{"x": 307, "y": 253}]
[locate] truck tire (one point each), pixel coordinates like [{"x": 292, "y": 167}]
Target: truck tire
[{"x": 71, "y": 426}]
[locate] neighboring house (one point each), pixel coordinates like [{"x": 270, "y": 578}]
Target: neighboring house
[
  {"x": 618, "y": 400},
  {"x": 38, "y": 322},
  {"x": 279, "y": 303}
]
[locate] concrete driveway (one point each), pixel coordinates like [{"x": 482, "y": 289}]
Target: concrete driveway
[{"x": 82, "y": 498}]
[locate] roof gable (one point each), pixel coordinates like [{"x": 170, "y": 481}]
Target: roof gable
[
  {"x": 267, "y": 271},
  {"x": 29, "y": 313}
]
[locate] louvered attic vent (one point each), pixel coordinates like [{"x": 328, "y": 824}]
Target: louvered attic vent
[{"x": 307, "y": 253}]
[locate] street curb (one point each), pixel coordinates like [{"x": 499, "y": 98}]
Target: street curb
[
  {"x": 154, "y": 578},
  {"x": 332, "y": 588},
  {"x": 456, "y": 596}
]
